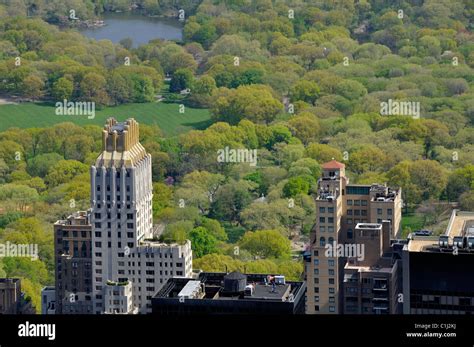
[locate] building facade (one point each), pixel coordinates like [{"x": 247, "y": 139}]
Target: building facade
[
  {"x": 372, "y": 284},
  {"x": 438, "y": 272},
  {"x": 340, "y": 207},
  {"x": 73, "y": 261},
  {"x": 230, "y": 293},
  {"x": 125, "y": 251}
]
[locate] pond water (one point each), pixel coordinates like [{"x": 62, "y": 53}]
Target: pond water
[{"x": 139, "y": 28}]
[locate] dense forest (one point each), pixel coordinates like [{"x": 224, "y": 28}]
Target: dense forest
[{"x": 301, "y": 82}]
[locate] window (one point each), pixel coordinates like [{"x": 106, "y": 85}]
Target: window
[
  {"x": 316, "y": 308},
  {"x": 316, "y": 253},
  {"x": 331, "y": 240},
  {"x": 332, "y": 299},
  {"x": 332, "y": 308},
  {"x": 322, "y": 220},
  {"x": 97, "y": 224},
  {"x": 316, "y": 280},
  {"x": 349, "y": 212},
  {"x": 330, "y": 209},
  {"x": 356, "y": 202},
  {"x": 322, "y": 209},
  {"x": 316, "y": 289},
  {"x": 349, "y": 220},
  {"x": 331, "y": 272},
  {"x": 322, "y": 241},
  {"x": 350, "y": 234},
  {"x": 331, "y": 281},
  {"x": 389, "y": 211},
  {"x": 316, "y": 299},
  {"x": 316, "y": 271},
  {"x": 331, "y": 290},
  {"x": 331, "y": 220},
  {"x": 349, "y": 202},
  {"x": 363, "y": 212},
  {"x": 356, "y": 212},
  {"x": 330, "y": 229},
  {"x": 379, "y": 211},
  {"x": 331, "y": 262},
  {"x": 363, "y": 202},
  {"x": 316, "y": 262},
  {"x": 322, "y": 229}
]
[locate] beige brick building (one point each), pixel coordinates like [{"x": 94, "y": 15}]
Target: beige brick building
[{"x": 340, "y": 207}]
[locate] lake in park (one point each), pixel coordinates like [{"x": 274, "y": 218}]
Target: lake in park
[{"x": 139, "y": 28}]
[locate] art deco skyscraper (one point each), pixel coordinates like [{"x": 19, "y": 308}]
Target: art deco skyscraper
[{"x": 129, "y": 265}]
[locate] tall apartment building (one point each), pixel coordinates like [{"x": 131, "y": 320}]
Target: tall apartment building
[
  {"x": 73, "y": 261},
  {"x": 340, "y": 207},
  {"x": 372, "y": 283},
  {"x": 10, "y": 293},
  {"x": 12, "y": 300},
  {"x": 129, "y": 266},
  {"x": 438, "y": 272}
]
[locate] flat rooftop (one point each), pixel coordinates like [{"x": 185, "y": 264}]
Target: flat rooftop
[
  {"x": 460, "y": 223},
  {"x": 214, "y": 289}
]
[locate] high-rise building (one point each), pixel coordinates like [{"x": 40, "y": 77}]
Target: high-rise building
[
  {"x": 438, "y": 271},
  {"x": 372, "y": 283},
  {"x": 129, "y": 265},
  {"x": 10, "y": 293},
  {"x": 73, "y": 262},
  {"x": 12, "y": 300},
  {"x": 340, "y": 207}
]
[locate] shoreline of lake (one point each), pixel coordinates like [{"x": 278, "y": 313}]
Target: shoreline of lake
[{"x": 141, "y": 29}]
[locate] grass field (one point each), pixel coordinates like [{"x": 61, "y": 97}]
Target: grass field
[
  {"x": 166, "y": 116},
  {"x": 415, "y": 222}
]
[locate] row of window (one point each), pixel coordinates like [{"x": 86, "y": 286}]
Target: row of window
[
  {"x": 330, "y": 220},
  {"x": 330, "y": 272},
  {"x": 331, "y": 308},
  {"x": 75, "y": 233},
  {"x": 98, "y": 215},
  {"x": 357, "y": 202},
  {"x": 331, "y": 262},
  {"x": 357, "y": 212},
  {"x": 329, "y": 209}
]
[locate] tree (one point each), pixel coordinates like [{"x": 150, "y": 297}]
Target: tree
[
  {"x": 126, "y": 43},
  {"x": 460, "y": 181},
  {"x": 93, "y": 89},
  {"x": 33, "y": 87},
  {"x": 230, "y": 200},
  {"x": 323, "y": 153},
  {"x": 202, "y": 242},
  {"x": 305, "y": 126},
  {"x": 306, "y": 91},
  {"x": 351, "y": 90},
  {"x": 63, "y": 171},
  {"x": 19, "y": 196},
  {"x": 182, "y": 79},
  {"x": 294, "y": 186},
  {"x": 62, "y": 89},
  {"x": 266, "y": 244},
  {"x": 428, "y": 177},
  {"x": 253, "y": 102},
  {"x": 467, "y": 201}
]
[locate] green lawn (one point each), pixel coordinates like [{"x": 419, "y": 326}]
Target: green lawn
[
  {"x": 166, "y": 116},
  {"x": 415, "y": 222}
]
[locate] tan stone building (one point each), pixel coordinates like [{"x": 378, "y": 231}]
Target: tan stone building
[{"x": 340, "y": 207}]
